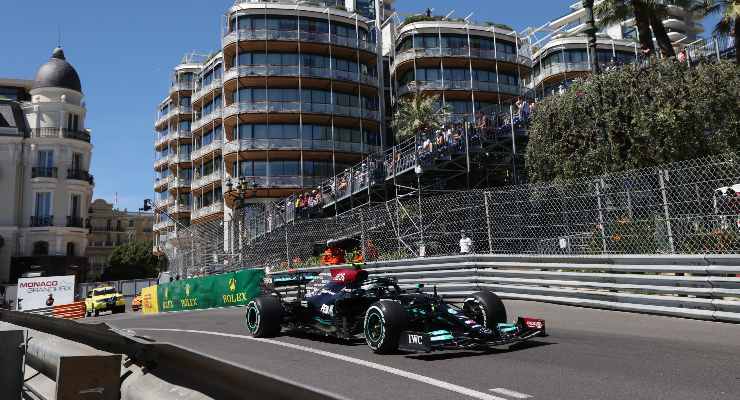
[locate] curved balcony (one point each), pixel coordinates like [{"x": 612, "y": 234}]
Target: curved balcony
[
  {"x": 179, "y": 158},
  {"x": 162, "y": 162},
  {"x": 163, "y": 225},
  {"x": 179, "y": 183},
  {"x": 235, "y": 146},
  {"x": 205, "y": 180},
  {"x": 302, "y": 71},
  {"x": 175, "y": 110},
  {"x": 464, "y": 52},
  {"x": 179, "y": 208},
  {"x": 560, "y": 68},
  {"x": 459, "y": 85},
  {"x": 162, "y": 183},
  {"x": 298, "y": 107},
  {"x": 202, "y": 212},
  {"x": 180, "y": 134},
  {"x": 162, "y": 204},
  {"x": 293, "y": 36},
  {"x": 203, "y": 150},
  {"x": 206, "y": 119},
  {"x": 179, "y": 86},
  {"x": 162, "y": 140},
  {"x": 204, "y": 90}
]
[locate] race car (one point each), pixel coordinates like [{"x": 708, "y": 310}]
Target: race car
[{"x": 349, "y": 304}]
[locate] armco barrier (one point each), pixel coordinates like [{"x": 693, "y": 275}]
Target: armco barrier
[
  {"x": 222, "y": 290},
  {"x": 696, "y": 286},
  {"x": 174, "y": 366}
]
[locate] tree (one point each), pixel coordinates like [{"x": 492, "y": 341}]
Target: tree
[
  {"x": 643, "y": 117},
  {"x": 133, "y": 260},
  {"x": 648, "y": 15},
  {"x": 417, "y": 114},
  {"x": 729, "y": 12}
]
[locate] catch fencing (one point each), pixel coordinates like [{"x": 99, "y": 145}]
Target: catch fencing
[{"x": 679, "y": 208}]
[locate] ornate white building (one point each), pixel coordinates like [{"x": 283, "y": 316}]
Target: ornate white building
[{"x": 45, "y": 156}]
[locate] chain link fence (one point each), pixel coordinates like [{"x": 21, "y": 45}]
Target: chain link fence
[{"x": 687, "y": 207}]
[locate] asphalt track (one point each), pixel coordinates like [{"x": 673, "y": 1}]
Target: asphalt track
[{"x": 590, "y": 354}]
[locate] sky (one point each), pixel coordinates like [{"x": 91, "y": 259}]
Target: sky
[{"x": 124, "y": 52}]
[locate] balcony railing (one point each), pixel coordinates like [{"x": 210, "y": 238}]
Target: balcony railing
[
  {"x": 298, "y": 107},
  {"x": 179, "y": 183},
  {"x": 42, "y": 220},
  {"x": 203, "y": 90},
  {"x": 159, "y": 183},
  {"x": 294, "y": 36},
  {"x": 179, "y": 208},
  {"x": 173, "y": 110},
  {"x": 200, "y": 181},
  {"x": 61, "y": 133},
  {"x": 80, "y": 175},
  {"x": 206, "y": 119},
  {"x": 159, "y": 204},
  {"x": 163, "y": 225},
  {"x": 161, "y": 162},
  {"x": 43, "y": 172},
  {"x": 180, "y": 158},
  {"x": 180, "y": 134},
  {"x": 560, "y": 68},
  {"x": 459, "y": 52},
  {"x": 296, "y": 144},
  {"x": 484, "y": 86},
  {"x": 207, "y": 210},
  {"x": 303, "y": 71},
  {"x": 161, "y": 140},
  {"x": 203, "y": 150},
  {"x": 74, "y": 222},
  {"x": 177, "y": 86}
]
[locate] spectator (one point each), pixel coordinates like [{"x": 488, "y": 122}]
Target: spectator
[
  {"x": 466, "y": 243},
  {"x": 682, "y": 56}
]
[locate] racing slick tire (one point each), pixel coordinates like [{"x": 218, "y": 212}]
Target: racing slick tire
[
  {"x": 384, "y": 322},
  {"x": 486, "y": 308},
  {"x": 264, "y": 316}
]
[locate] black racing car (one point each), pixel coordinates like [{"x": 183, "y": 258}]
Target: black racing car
[{"x": 352, "y": 305}]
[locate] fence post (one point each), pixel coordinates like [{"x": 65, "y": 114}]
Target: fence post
[
  {"x": 599, "y": 186},
  {"x": 488, "y": 223},
  {"x": 666, "y": 212}
]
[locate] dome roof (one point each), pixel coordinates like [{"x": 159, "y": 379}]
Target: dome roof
[{"x": 57, "y": 72}]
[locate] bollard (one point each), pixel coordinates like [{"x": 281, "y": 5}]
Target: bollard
[{"x": 11, "y": 360}]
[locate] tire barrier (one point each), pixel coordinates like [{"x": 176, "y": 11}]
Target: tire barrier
[
  {"x": 74, "y": 310},
  {"x": 693, "y": 286}
]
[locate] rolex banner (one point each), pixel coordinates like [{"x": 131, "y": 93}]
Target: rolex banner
[{"x": 223, "y": 290}]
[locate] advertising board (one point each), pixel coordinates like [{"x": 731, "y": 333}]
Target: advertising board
[
  {"x": 222, "y": 290},
  {"x": 44, "y": 291}
]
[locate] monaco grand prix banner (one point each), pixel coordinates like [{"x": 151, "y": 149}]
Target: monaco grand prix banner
[
  {"x": 223, "y": 290},
  {"x": 45, "y": 291}
]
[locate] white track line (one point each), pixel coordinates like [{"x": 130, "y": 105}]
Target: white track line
[
  {"x": 511, "y": 393},
  {"x": 394, "y": 371}
]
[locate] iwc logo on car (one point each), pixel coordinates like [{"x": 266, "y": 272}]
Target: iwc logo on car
[
  {"x": 232, "y": 298},
  {"x": 415, "y": 339}
]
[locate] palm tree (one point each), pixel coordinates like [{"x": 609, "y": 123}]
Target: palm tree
[
  {"x": 417, "y": 114},
  {"x": 729, "y": 12},
  {"x": 648, "y": 16}
]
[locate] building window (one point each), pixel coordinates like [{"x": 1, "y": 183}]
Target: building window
[
  {"x": 41, "y": 248},
  {"x": 70, "y": 249},
  {"x": 73, "y": 121},
  {"x": 45, "y": 159},
  {"x": 43, "y": 204},
  {"x": 131, "y": 223}
]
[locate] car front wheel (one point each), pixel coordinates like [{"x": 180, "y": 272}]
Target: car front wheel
[{"x": 384, "y": 322}]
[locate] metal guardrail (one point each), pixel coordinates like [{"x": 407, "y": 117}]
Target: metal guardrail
[
  {"x": 175, "y": 366},
  {"x": 128, "y": 288},
  {"x": 694, "y": 286}
]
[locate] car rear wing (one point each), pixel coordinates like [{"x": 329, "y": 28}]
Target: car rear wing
[{"x": 297, "y": 278}]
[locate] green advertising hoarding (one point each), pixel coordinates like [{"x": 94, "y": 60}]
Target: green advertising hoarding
[{"x": 223, "y": 290}]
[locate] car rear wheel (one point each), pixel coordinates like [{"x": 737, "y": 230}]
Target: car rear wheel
[
  {"x": 384, "y": 322},
  {"x": 264, "y": 316},
  {"x": 486, "y": 308}
]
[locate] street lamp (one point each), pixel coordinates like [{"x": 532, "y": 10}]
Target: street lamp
[{"x": 588, "y": 6}]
